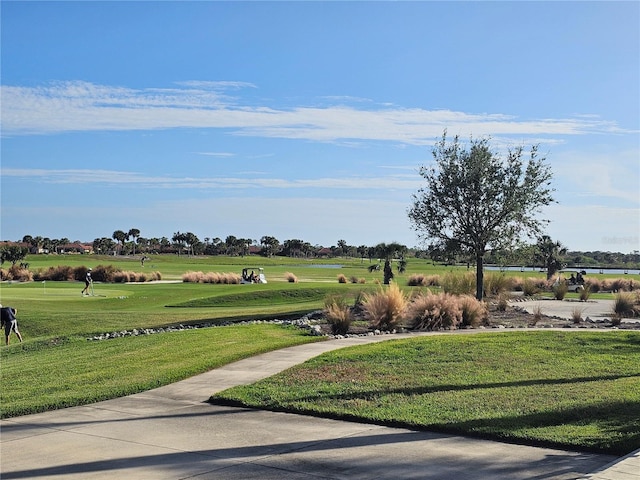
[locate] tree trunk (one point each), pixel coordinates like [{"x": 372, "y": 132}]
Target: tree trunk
[{"x": 479, "y": 276}]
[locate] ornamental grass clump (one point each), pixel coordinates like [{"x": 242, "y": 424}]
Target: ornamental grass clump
[
  {"x": 620, "y": 285},
  {"x": 576, "y": 314},
  {"x": 560, "y": 291},
  {"x": 530, "y": 287},
  {"x": 342, "y": 278},
  {"x": 474, "y": 312},
  {"x": 497, "y": 284},
  {"x": 434, "y": 312},
  {"x": 459, "y": 284},
  {"x": 417, "y": 280},
  {"x": 290, "y": 277},
  {"x": 625, "y": 305},
  {"x": 338, "y": 314},
  {"x": 594, "y": 285},
  {"x": 385, "y": 309},
  {"x": 503, "y": 302},
  {"x": 135, "y": 277},
  {"x": 211, "y": 277},
  {"x": 586, "y": 292},
  {"x": 537, "y": 315}
]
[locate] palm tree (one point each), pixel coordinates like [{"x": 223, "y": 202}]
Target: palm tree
[
  {"x": 342, "y": 246},
  {"x": 179, "y": 239},
  {"x": 120, "y": 237},
  {"x": 135, "y": 233},
  {"x": 388, "y": 251},
  {"x": 269, "y": 245},
  {"x": 550, "y": 254},
  {"x": 191, "y": 240}
]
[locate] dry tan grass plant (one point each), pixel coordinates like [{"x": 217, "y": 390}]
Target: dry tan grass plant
[
  {"x": 459, "y": 284},
  {"x": 474, "y": 312},
  {"x": 626, "y": 305},
  {"x": 384, "y": 309},
  {"x": 537, "y": 315},
  {"x": 338, "y": 314},
  {"x": 290, "y": 277},
  {"x": 434, "y": 312},
  {"x": 495, "y": 284},
  {"x": 417, "y": 280},
  {"x": 576, "y": 314},
  {"x": 503, "y": 301}
]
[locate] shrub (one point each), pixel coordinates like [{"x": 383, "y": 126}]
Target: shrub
[
  {"x": 354, "y": 279},
  {"x": 384, "y": 309},
  {"x": 290, "y": 277},
  {"x": 17, "y": 273},
  {"x": 342, "y": 278},
  {"x": 496, "y": 284},
  {"x": 459, "y": 284},
  {"x": 560, "y": 291},
  {"x": 434, "y": 312},
  {"x": 338, "y": 314},
  {"x": 474, "y": 312},
  {"x": 121, "y": 277},
  {"x": 60, "y": 273},
  {"x": 101, "y": 273}
]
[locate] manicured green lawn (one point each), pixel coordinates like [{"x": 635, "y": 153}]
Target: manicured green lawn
[
  {"x": 556, "y": 391},
  {"x": 577, "y": 390},
  {"x": 66, "y": 371}
]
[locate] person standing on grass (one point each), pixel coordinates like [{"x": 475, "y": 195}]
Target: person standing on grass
[
  {"x": 87, "y": 282},
  {"x": 9, "y": 322}
]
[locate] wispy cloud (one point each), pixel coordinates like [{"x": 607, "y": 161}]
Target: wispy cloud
[
  {"x": 216, "y": 154},
  {"x": 139, "y": 180},
  {"x": 600, "y": 175},
  {"x": 83, "y": 106}
]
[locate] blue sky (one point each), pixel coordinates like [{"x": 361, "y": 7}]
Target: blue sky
[{"x": 308, "y": 120}]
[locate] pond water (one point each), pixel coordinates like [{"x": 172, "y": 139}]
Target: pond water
[{"x": 589, "y": 270}]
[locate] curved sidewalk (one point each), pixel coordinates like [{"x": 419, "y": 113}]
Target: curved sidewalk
[{"x": 172, "y": 433}]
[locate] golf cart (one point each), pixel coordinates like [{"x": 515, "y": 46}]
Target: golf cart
[
  {"x": 253, "y": 277},
  {"x": 575, "y": 281}
]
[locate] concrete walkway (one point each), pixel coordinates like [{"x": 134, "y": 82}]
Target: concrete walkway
[
  {"x": 593, "y": 309},
  {"x": 172, "y": 433}
]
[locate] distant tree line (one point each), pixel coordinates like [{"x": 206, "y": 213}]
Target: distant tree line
[{"x": 543, "y": 254}]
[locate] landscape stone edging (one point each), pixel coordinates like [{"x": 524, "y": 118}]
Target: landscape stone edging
[{"x": 308, "y": 322}]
